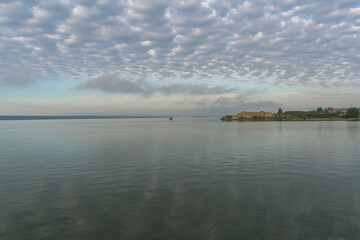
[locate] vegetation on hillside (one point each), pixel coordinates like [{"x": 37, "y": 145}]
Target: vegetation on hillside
[{"x": 318, "y": 114}]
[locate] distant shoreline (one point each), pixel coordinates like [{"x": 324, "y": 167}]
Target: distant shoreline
[
  {"x": 34, "y": 117},
  {"x": 352, "y": 114}
]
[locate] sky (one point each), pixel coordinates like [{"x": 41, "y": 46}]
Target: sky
[{"x": 191, "y": 57}]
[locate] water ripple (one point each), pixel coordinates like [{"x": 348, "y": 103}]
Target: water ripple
[{"x": 149, "y": 179}]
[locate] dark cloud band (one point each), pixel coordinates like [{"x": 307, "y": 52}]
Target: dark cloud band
[{"x": 113, "y": 83}]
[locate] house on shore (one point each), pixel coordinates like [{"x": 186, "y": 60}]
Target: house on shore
[
  {"x": 333, "y": 111},
  {"x": 341, "y": 111}
]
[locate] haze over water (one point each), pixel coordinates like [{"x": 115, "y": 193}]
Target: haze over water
[{"x": 185, "y": 179}]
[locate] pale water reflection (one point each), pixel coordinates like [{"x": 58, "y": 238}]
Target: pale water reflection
[{"x": 185, "y": 179}]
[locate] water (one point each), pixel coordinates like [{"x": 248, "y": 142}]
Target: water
[{"x": 185, "y": 179}]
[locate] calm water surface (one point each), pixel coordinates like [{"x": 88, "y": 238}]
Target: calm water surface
[{"x": 186, "y": 179}]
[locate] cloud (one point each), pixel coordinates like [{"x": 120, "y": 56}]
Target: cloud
[
  {"x": 113, "y": 83},
  {"x": 193, "y": 89},
  {"x": 284, "y": 43},
  {"x": 132, "y": 105},
  {"x": 18, "y": 76},
  {"x": 230, "y": 104}
]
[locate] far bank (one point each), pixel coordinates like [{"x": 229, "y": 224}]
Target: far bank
[{"x": 327, "y": 114}]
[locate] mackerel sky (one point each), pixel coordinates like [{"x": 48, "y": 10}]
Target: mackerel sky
[{"x": 190, "y": 57}]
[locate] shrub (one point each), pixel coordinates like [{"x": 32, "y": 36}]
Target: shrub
[{"x": 352, "y": 112}]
